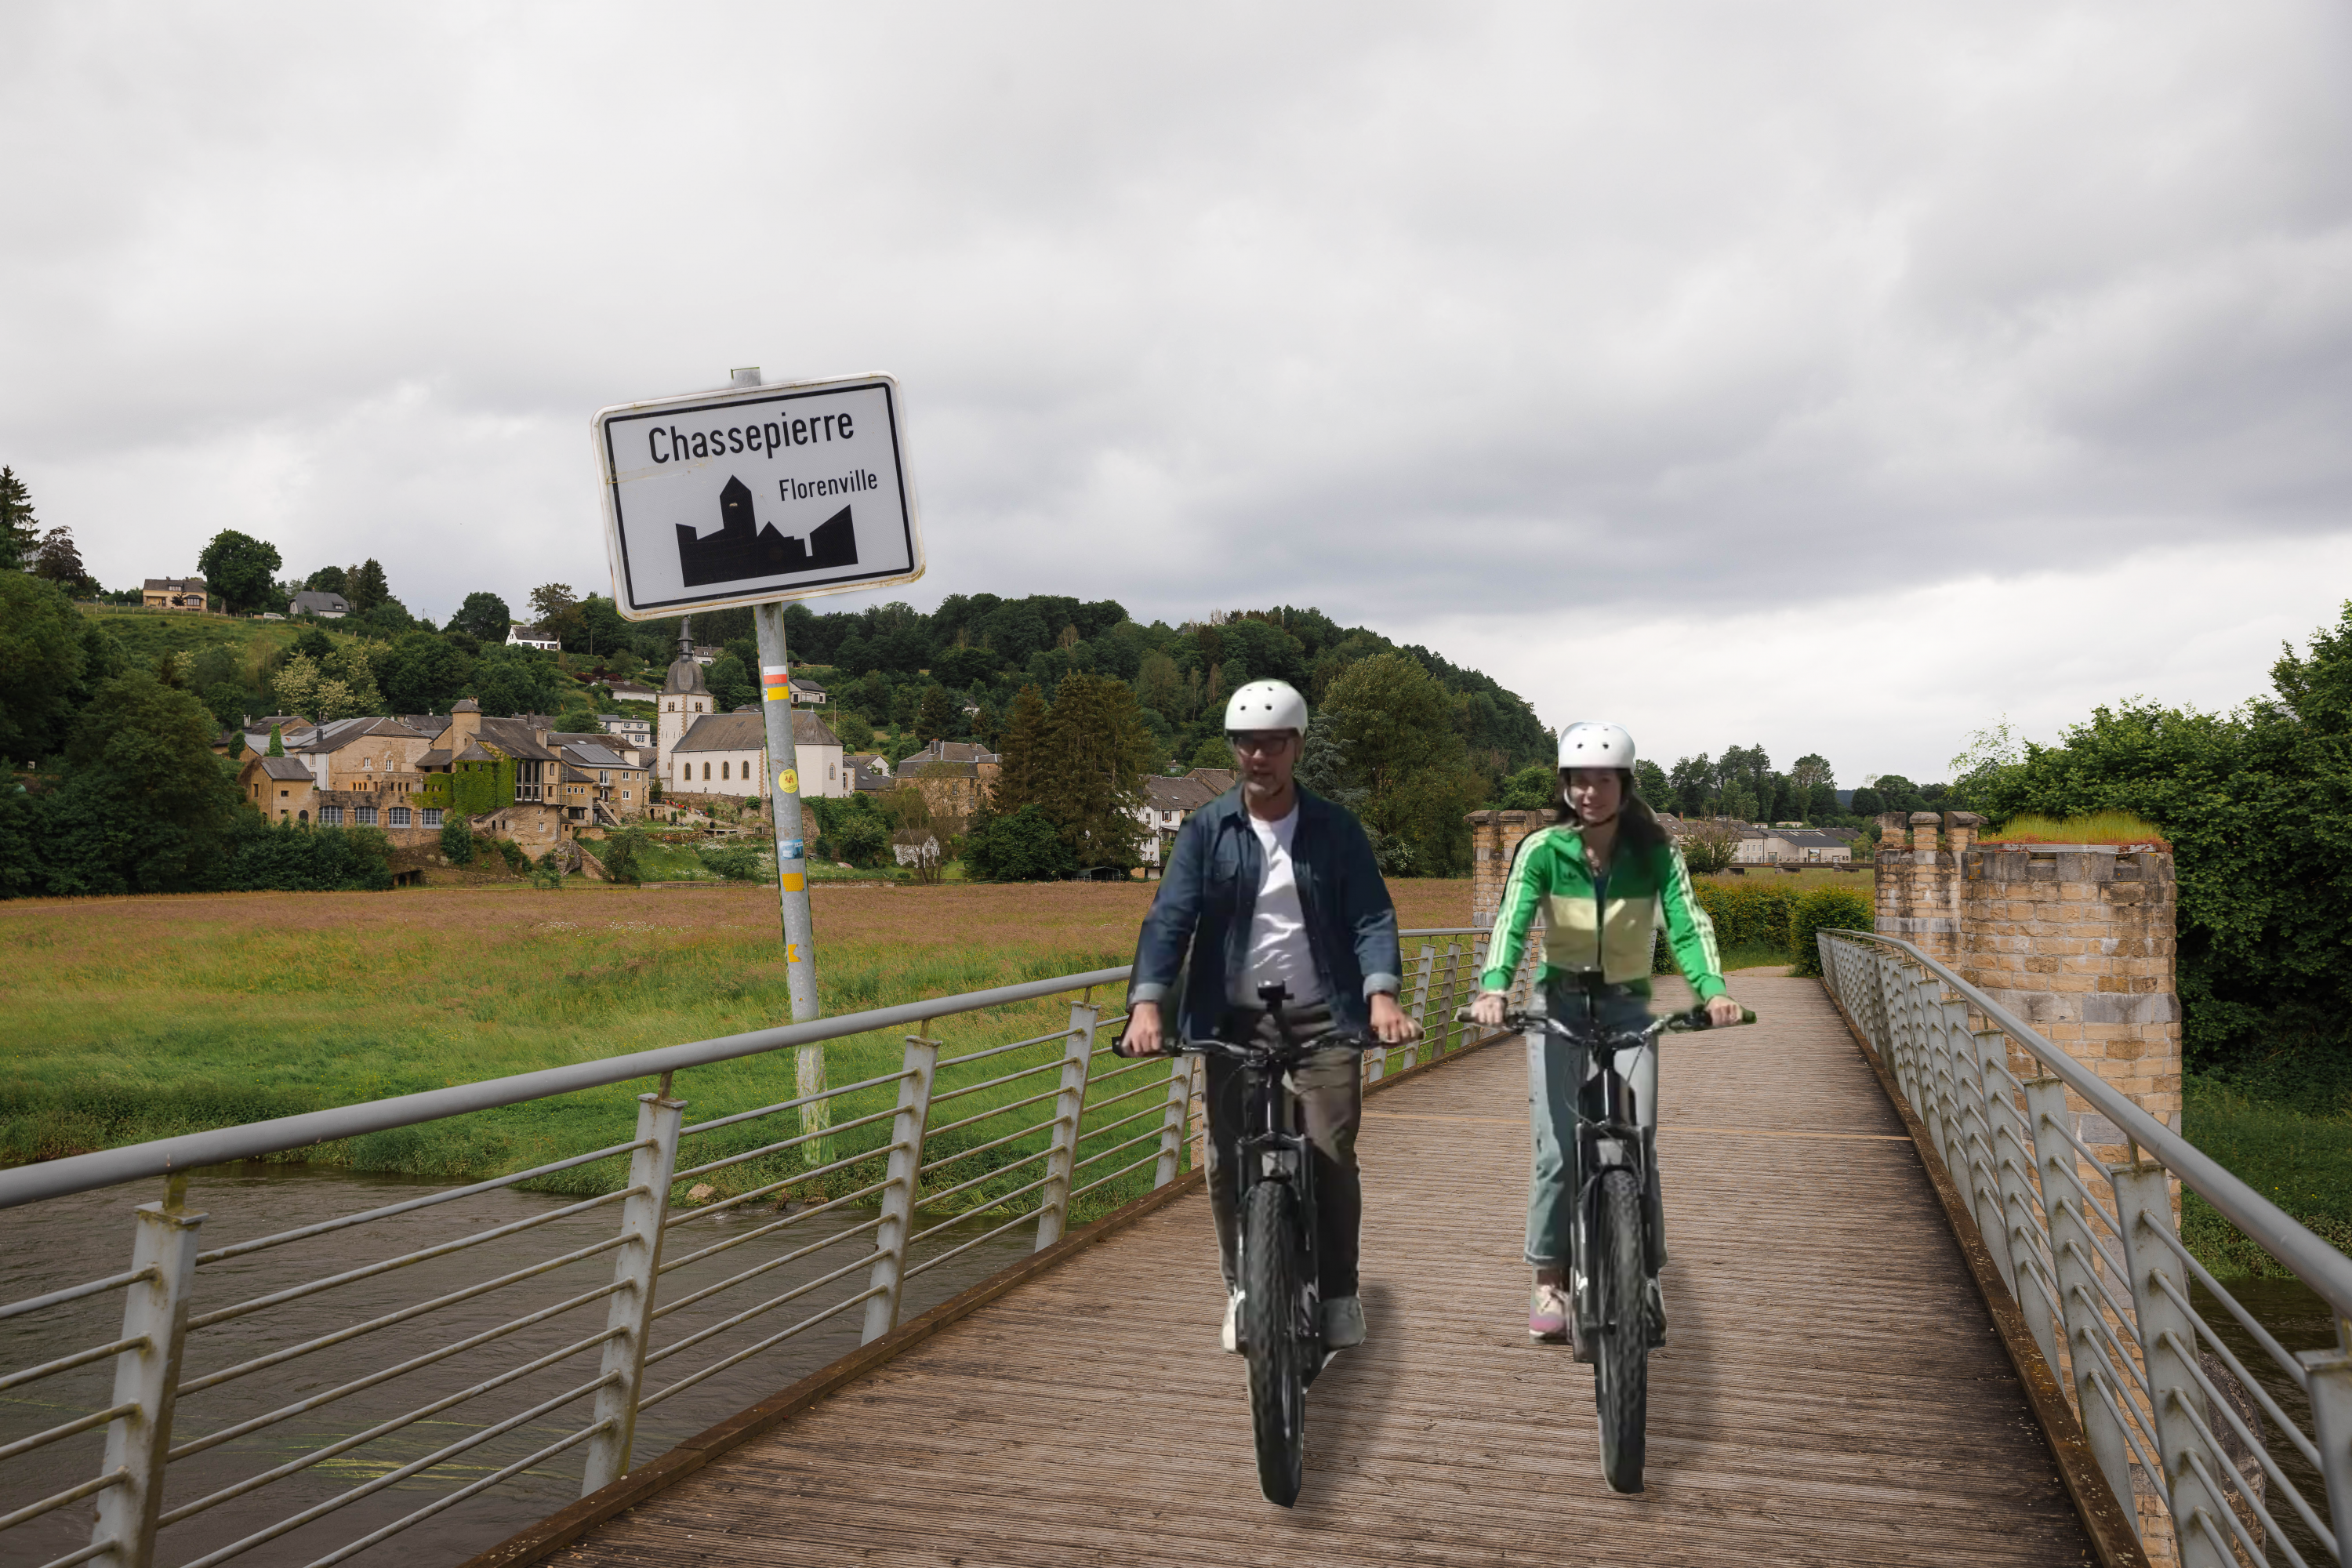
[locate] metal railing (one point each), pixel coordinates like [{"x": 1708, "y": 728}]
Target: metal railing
[
  {"x": 2092, "y": 1254},
  {"x": 716, "y": 1243}
]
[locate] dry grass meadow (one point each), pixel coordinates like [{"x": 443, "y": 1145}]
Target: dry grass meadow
[{"x": 135, "y": 1018}]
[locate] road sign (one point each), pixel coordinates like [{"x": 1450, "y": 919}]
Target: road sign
[{"x": 756, "y": 494}]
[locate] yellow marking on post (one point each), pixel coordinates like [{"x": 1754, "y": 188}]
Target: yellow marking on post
[
  {"x": 780, "y": 693},
  {"x": 791, "y": 953},
  {"x": 789, "y": 781},
  {"x": 795, "y": 881}
]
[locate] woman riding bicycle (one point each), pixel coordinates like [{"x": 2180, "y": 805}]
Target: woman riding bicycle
[{"x": 1605, "y": 874}]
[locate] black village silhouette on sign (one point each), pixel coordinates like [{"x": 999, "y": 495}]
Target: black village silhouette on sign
[{"x": 741, "y": 550}]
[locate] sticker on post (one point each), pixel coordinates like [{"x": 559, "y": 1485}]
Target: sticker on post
[
  {"x": 793, "y": 881},
  {"x": 793, "y": 849},
  {"x": 789, "y": 781}
]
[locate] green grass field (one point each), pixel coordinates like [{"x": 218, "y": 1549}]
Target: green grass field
[{"x": 2300, "y": 1162}]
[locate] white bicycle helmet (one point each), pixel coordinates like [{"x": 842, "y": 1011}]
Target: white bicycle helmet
[
  {"x": 1266, "y": 705},
  {"x": 1595, "y": 743}
]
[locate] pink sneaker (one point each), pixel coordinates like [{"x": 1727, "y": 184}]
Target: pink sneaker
[{"x": 1548, "y": 1315}]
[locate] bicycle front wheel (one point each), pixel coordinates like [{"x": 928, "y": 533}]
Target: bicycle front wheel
[
  {"x": 1270, "y": 1325},
  {"x": 1620, "y": 1357}
]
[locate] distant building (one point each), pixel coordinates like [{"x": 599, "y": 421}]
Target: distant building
[
  {"x": 727, "y": 754},
  {"x": 326, "y": 607},
  {"x": 630, "y": 726},
  {"x": 1168, "y": 805},
  {"x": 175, "y": 593},
  {"x": 539, "y": 637},
  {"x": 808, "y": 692},
  {"x": 915, "y": 847},
  {"x": 868, "y": 773}
]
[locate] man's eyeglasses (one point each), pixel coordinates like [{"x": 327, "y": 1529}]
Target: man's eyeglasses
[{"x": 1254, "y": 741}]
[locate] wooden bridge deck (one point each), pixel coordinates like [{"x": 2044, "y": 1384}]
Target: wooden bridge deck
[{"x": 1832, "y": 1390}]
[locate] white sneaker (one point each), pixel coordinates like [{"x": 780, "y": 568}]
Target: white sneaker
[
  {"x": 1232, "y": 1338},
  {"x": 1343, "y": 1323}
]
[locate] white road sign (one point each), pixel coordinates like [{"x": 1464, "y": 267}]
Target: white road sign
[{"x": 754, "y": 494}]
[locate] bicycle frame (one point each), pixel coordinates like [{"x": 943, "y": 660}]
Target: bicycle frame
[{"x": 1610, "y": 1140}]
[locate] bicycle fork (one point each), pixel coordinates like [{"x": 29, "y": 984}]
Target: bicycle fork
[{"x": 1612, "y": 1140}]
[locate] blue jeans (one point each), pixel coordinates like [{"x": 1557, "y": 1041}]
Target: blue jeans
[{"x": 1556, "y": 1069}]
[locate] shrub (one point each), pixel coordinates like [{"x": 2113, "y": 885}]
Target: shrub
[
  {"x": 736, "y": 862},
  {"x": 511, "y": 853},
  {"x": 1823, "y": 909},
  {"x": 1020, "y": 847},
  {"x": 457, "y": 841},
  {"x": 1749, "y": 915},
  {"x": 621, "y": 857},
  {"x": 546, "y": 874}
]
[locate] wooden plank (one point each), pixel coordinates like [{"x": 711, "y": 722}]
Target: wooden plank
[{"x": 1833, "y": 1390}]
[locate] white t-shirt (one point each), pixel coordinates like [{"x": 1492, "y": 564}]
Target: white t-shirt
[{"x": 1277, "y": 942}]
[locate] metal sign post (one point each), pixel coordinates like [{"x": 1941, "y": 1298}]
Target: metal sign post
[{"x": 750, "y": 496}]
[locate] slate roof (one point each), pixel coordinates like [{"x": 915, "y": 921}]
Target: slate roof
[
  {"x": 287, "y": 768},
  {"x": 1217, "y": 780},
  {"x": 589, "y": 755},
  {"x": 176, "y": 585},
  {"x": 312, "y": 602},
  {"x": 747, "y": 730},
  {"x": 1186, "y": 794}
]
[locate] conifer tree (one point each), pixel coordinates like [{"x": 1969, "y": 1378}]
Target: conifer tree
[
  {"x": 17, "y": 526},
  {"x": 1020, "y": 773},
  {"x": 1097, "y": 756}
]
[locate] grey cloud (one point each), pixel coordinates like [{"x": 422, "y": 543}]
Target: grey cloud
[{"x": 1401, "y": 309}]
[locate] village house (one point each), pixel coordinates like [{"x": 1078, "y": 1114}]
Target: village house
[
  {"x": 539, "y": 637},
  {"x": 362, "y": 772},
  {"x": 634, "y": 729},
  {"x": 951, "y": 790},
  {"x": 807, "y": 693},
  {"x": 727, "y": 755},
  {"x": 277, "y": 787},
  {"x": 868, "y": 773},
  {"x": 499, "y": 772},
  {"x": 632, "y": 691},
  {"x": 1168, "y": 805},
  {"x": 915, "y": 847},
  {"x": 175, "y": 593},
  {"x": 325, "y": 607},
  {"x": 596, "y": 784}
]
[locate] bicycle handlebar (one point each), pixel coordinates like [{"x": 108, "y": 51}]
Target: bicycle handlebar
[
  {"x": 1246, "y": 1050},
  {"x": 1524, "y": 1022}
]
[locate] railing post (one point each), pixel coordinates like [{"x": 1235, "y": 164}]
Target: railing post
[
  {"x": 2002, "y": 1178},
  {"x": 2072, "y": 1258},
  {"x": 147, "y": 1375},
  {"x": 1069, "y": 1109},
  {"x": 1171, "y": 1124},
  {"x": 808, "y": 1075},
  {"x": 636, "y": 1268},
  {"x": 2144, "y": 1203},
  {"x": 899, "y": 1197},
  {"x": 1196, "y": 1110},
  {"x": 2330, "y": 1371},
  {"x": 1422, "y": 969}
]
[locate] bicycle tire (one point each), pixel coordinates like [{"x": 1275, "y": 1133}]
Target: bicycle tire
[
  {"x": 1620, "y": 1357},
  {"x": 1270, "y": 1326}
]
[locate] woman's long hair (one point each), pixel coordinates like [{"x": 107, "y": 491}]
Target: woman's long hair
[{"x": 1637, "y": 824}]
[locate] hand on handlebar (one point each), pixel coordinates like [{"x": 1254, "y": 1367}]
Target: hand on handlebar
[
  {"x": 1390, "y": 1022},
  {"x": 1142, "y": 1037},
  {"x": 1487, "y": 1009},
  {"x": 1722, "y": 1010}
]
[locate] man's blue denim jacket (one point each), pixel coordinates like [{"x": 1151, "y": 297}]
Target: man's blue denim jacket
[{"x": 1208, "y": 896}]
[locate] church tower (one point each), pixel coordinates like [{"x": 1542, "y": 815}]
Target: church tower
[{"x": 685, "y": 698}]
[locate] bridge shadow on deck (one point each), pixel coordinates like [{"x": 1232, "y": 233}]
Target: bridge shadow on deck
[{"x": 1832, "y": 1390}]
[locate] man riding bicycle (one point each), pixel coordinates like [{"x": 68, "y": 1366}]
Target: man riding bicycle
[
  {"x": 1273, "y": 885},
  {"x": 1604, "y": 874}
]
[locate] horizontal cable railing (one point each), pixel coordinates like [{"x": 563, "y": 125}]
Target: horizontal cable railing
[
  {"x": 646, "y": 1269},
  {"x": 2092, "y": 1252}
]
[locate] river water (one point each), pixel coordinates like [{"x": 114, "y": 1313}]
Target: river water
[{"x": 79, "y": 1238}]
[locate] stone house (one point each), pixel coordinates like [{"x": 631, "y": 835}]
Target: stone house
[
  {"x": 632, "y": 728},
  {"x": 951, "y": 790},
  {"x": 597, "y": 784},
  {"x": 277, "y": 787},
  {"x": 175, "y": 593},
  {"x": 868, "y": 773}
]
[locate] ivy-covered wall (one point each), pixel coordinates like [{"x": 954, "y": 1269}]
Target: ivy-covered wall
[{"x": 474, "y": 788}]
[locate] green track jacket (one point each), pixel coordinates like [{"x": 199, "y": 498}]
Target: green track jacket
[{"x": 1582, "y": 935}]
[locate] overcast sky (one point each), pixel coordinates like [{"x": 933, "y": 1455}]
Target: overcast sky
[{"x": 1837, "y": 377}]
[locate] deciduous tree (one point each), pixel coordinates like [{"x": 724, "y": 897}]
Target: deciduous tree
[
  {"x": 238, "y": 567},
  {"x": 41, "y": 664},
  {"x": 484, "y": 618}
]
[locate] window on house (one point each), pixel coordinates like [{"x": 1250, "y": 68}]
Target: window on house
[
  {"x": 432, "y": 816},
  {"x": 706, "y": 770},
  {"x": 400, "y": 816},
  {"x": 330, "y": 816},
  {"x": 723, "y": 769},
  {"x": 366, "y": 813},
  {"x": 625, "y": 794}
]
